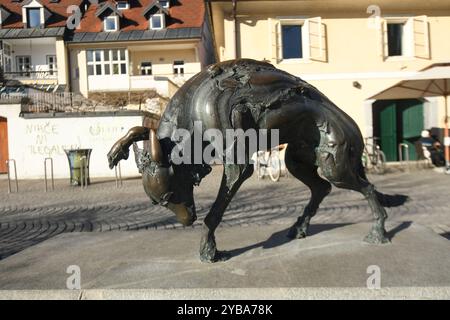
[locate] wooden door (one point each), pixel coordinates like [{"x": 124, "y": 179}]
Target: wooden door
[
  {"x": 412, "y": 124},
  {"x": 3, "y": 144},
  {"x": 388, "y": 131}
]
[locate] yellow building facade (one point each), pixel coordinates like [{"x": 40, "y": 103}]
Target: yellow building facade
[{"x": 350, "y": 50}]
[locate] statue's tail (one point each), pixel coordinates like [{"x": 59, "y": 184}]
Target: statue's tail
[{"x": 387, "y": 200}]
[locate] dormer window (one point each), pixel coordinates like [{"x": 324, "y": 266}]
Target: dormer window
[
  {"x": 33, "y": 17},
  {"x": 111, "y": 23},
  {"x": 157, "y": 21},
  {"x": 165, "y": 4},
  {"x": 123, "y": 5}
]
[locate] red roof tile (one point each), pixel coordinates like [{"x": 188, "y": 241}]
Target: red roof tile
[{"x": 182, "y": 14}]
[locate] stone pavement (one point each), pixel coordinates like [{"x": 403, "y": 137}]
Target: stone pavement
[
  {"x": 414, "y": 265},
  {"x": 32, "y": 216}
]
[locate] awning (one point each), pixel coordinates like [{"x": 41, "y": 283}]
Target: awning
[{"x": 434, "y": 81}]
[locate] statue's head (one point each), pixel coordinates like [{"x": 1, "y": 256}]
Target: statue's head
[{"x": 167, "y": 185}]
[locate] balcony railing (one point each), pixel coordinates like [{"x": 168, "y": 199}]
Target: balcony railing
[{"x": 31, "y": 75}]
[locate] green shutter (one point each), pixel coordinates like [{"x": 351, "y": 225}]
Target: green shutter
[{"x": 388, "y": 131}]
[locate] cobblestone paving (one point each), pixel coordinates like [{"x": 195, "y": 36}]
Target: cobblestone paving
[{"x": 32, "y": 216}]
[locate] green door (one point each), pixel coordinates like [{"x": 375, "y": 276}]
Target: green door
[
  {"x": 412, "y": 123},
  {"x": 388, "y": 131}
]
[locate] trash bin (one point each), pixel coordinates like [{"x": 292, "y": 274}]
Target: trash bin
[{"x": 79, "y": 166}]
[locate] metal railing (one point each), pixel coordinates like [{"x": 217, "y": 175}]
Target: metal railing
[
  {"x": 83, "y": 172},
  {"x": 118, "y": 173},
  {"x": 402, "y": 159},
  {"x": 8, "y": 163},
  {"x": 51, "y": 174},
  {"x": 31, "y": 75}
]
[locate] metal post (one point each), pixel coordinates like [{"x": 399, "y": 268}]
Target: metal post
[
  {"x": 119, "y": 183},
  {"x": 83, "y": 171},
  {"x": 400, "y": 153},
  {"x": 51, "y": 173},
  {"x": 446, "y": 136},
  {"x": 9, "y": 175}
]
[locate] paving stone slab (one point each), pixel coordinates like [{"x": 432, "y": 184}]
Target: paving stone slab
[{"x": 333, "y": 257}]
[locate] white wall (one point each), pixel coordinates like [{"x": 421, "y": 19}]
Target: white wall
[
  {"x": 32, "y": 140},
  {"x": 109, "y": 82},
  {"x": 38, "y": 53}
]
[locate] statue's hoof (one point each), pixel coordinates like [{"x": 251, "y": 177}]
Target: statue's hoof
[
  {"x": 376, "y": 238},
  {"x": 296, "y": 233},
  {"x": 218, "y": 257}
]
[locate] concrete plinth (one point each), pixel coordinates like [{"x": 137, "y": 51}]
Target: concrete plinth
[{"x": 332, "y": 263}]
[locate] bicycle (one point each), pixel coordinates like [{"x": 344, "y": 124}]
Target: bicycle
[
  {"x": 270, "y": 163},
  {"x": 376, "y": 159}
]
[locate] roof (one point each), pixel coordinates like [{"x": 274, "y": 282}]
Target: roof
[
  {"x": 136, "y": 35},
  {"x": 182, "y": 14},
  {"x": 31, "y": 33},
  {"x": 154, "y": 4},
  {"x": 104, "y": 6},
  {"x": 57, "y": 18}
]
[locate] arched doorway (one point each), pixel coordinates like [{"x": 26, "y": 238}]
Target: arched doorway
[
  {"x": 398, "y": 121},
  {"x": 3, "y": 144}
]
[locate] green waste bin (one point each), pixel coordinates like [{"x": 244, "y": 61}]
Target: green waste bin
[{"x": 79, "y": 166}]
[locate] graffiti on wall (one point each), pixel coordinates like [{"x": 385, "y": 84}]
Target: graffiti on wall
[
  {"x": 50, "y": 139},
  {"x": 44, "y": 139}
]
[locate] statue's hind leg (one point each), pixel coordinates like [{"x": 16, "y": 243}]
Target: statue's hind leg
[
  {"x": 320, "y": 188},
  {"x": 358, "y": 182},
  {"x": 377, "y": 234}
]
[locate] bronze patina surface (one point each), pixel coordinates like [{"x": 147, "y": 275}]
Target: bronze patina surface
[{"x": 248, "y": 94}]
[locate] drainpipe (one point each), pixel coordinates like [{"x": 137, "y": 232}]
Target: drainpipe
[{"x": 235, "y": 27}]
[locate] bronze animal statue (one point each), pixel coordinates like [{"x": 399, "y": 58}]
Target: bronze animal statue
[{"x": 248, "y": 94}]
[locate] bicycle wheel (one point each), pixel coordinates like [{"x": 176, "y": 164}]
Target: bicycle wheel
[
  {"x": 258, "y": 167},
  {"x": 274, "y": 167},
  {"x": 379, "y": 166}
]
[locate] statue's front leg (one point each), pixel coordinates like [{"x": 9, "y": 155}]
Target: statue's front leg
[
  {"x": 233, "y": 177},
  {"x": 120, "y": 150}
]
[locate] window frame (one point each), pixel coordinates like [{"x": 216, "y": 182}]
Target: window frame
[
  {"x": 18, "y": 58},
  {"x": 163, "y": 21},
  {"x": 305, "y": 43},
  {"x": 407, "y": 38},
  {"x": 28, "y": 16},
  {"x": 116, "y": 23},
  {"x": 145, "y": 69},
  {"x": 51, "y": 70},
  {"x": 166, "y": 6},
  {"x": 126, "y": 3},
  {"x": 107, "y": 64},
  {"x": 179, "y": 68}
]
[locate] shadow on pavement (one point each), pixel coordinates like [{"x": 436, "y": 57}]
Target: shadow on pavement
[
  {"x": 402, "y": 226},
  {"x": 280, "y": 238}
]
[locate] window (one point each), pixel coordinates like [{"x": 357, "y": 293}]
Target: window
[
  {"x": 111, "y": 23},
  {"x": 33, "y": 17},
  {"x": 23, "y": 64},
  {"x": 405, "y": 37},
  {"x": 298, "y": 39},
  {"x": 164, "y": 4},
  {"x": 7, "y": 52},
  {"x": 292, "y": 47},
  {"x": 178, "y": 68},
  {"x": 51, "y": 63},
  {"x": 146, "y": 68},
  {"x": 123, "y": 5},
  {"x": 157, "y": 22},
  {"x": 395, "y": 39},
  {"x": 106, "y": 62}
]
